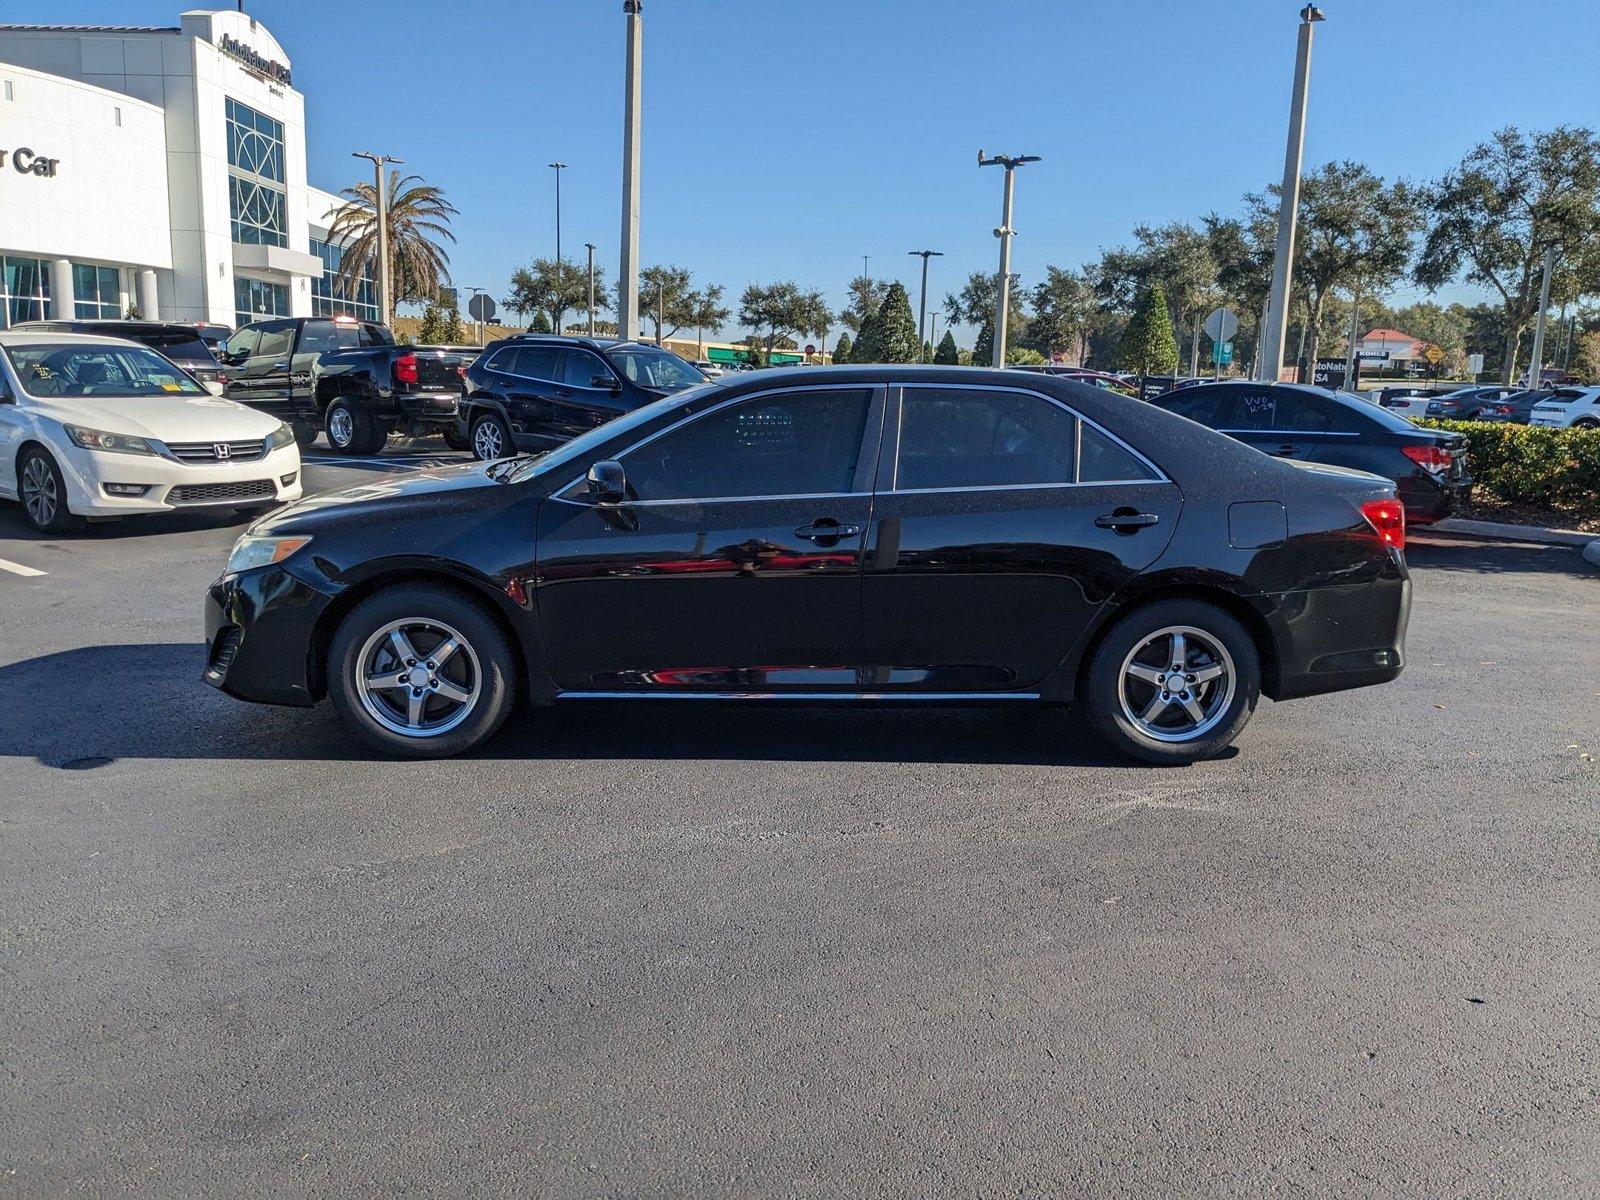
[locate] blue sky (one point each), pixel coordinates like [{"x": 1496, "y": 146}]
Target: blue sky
[{"x": 787, "y": 140}]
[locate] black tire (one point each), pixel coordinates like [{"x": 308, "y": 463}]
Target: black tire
[
  {"x": 490, "y": 429},
  {"x": 1586, "y": 424},
  {"x": 456, "y": 440},
  {"x": 352, "y": 429},
  {"x": 43, "y": 492},
  {"x": 485, "y": 657},
  {"x": 1142, "y": 635},
  {"x": 305, "y": 433}
]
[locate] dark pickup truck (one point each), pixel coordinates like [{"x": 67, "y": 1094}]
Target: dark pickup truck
[{"x": 346, "y": 377}]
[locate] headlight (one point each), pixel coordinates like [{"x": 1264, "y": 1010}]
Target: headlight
[
  {"x": 251, "y": 552},
  {"x": 94, "y": 439},
  {"x": 281, "y": 436}
]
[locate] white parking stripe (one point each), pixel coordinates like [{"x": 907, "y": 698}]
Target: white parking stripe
[{"x": 18, "y": 568}]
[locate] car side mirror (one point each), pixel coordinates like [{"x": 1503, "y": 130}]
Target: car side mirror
[
  {"x": 607, "y": 382},
  {"x": 608, "y": 483}
]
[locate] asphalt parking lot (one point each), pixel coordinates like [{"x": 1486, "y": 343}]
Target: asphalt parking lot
[{"x": 668, "y": 950}]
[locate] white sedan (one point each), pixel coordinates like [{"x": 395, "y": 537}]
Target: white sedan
[
  {"x": 1568, "y": 408},
  {"x": 96, "y": 426}
]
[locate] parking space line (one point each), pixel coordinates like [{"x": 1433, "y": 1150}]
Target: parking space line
[{"x": 18, "y": 568}]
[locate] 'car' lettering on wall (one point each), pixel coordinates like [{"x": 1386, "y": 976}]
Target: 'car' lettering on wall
[{"x": 25, "y": 162}]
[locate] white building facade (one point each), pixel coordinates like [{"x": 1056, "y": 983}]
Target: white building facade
[{"x": 160, "y": 171}]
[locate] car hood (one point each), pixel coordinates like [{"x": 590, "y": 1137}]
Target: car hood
[
  {"x": 428, "y": 487},
  {"x": 204, "y": 418}
]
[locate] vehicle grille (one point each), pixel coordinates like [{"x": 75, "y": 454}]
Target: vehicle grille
[
  {"x": 211, "y": 493},
  {"x": 206, "y": 452}
]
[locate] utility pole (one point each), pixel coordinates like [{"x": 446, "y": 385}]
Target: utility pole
[
  {"x": 865, "y": 258},
  {"x": 1002, "y": 300},
  {"x": 1271, "y": 355},
  {"x": 1194, "y": 350},
  {"x": 561, "y": 281},
  {"x": 628, "y": 280},
  {"x": 933, "y": 332},
  {"x": 589, "y": 246},
  {"x": 381, "y": 195},
  {"x": 661, "y": 309},
  {"x": 1535, "y": 373},
  {"x": 474, "y": 289},
  {"x": 1352, "y": 356},
  {"x": 922, "y": 311}
]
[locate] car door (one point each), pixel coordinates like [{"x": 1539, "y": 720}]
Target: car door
[
  {"x": 266, "y": 371},
  {"x": 577, "y": 405},
  {"x": 1281, "y": 421},
  {"x": 13, "y": 430},
  {"x": 734, "y": 565},
  {"x": 236, "y": 354},
  {"x": 1001, "y": 523},
  {"x": 530, "y": 385},
  {"x": 315, "y": 339}
]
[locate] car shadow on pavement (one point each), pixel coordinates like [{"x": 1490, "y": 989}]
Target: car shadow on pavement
[
  {"x": 1445, "y": 552},
  {"x": 84, "y": 708},
  {"x": 14, "y": 525}
]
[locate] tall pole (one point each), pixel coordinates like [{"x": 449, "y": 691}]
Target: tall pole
[
  {"x": 628, "y": 280},
  {"x": 865, "y": 258},
  {"x": 1002, "y": 299},
  {"x": 1353, "y": 354},
  {"x": 1536, "y": 363},
  {"x": 1194, "y": 350},
  {"x": 381, "y": 196},
  {"x": 589, "y": 246},
  {"x": 474, "y": 289},
  {"x": 561, "y": 281},
  {"x": 661, "y": 309},
  {"x": 1289, "y": 206},
  {"x": 922, "y": 311},
  {"x": 933, "y": 332}
]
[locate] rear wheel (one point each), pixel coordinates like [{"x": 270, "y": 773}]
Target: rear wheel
[
  {"x": 490, "y": 438},
  {"x": 43, "y": 492},
  {"x": 421, "y": 671},
  {"x": 1173, "y": 682},
  {"x": 455, "y": 440},
  {"x": 1586, "y": 423},
  {"x": 353, "y": 430}
]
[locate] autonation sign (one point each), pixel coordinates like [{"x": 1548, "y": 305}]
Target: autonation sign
[{"x": 234, "y": 48}]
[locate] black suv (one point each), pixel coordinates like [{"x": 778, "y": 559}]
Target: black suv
[
  {"x": 532, "y": 392},
  {"x": 181, "y": 344}
]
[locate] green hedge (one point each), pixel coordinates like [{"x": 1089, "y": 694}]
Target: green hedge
[{"x": 1526, "y": 464}]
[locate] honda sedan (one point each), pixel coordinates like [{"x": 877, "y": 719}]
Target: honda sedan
[{"x": 911, "y": 534}]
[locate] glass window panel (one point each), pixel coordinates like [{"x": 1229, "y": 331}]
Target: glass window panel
[
  {"x": 1101, "y": 460},
  {"x": 952, "y": 438}
]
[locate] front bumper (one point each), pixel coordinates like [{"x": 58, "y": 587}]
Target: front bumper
[
  {"x": 261, "y": 637},
  {"x": 175, "y": 486}
]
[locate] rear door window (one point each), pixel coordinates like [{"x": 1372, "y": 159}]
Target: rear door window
[
  {"x": 537, "y": 362},
  {"x": 1275, "y": 410},
  {"x": 955, "y": 438},
  {"x": 1198, "y": 404}
]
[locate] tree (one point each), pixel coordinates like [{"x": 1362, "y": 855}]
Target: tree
[
  {"x": 1178, "y": 256},
  {"x": 866, "y": 298},
  {"x": 667, "y": 291},
  {"x": 983, "y": 349},
  {"x": 897, "y": 328},
  {"x": 1586, "y": 358},
  {"x": 540, "y": 322},
  {"x": 1063, "y": 313},
  {"x": 705, "y": 310},
  {"x": 1353, "y": 230},
  {"x": 782, "y": 309},
  {"x": 1446, "y": 328},
  {"x": 927, "y": 352},
  {"x": 1148, "y": 346},
  {"x": 1023, "y": 356},
  {"x": 841, "y": 351},
  {"x": 974, "y": 305},
  {"x": 869, "y": 339},
  {"x": 947, "y": 355},
  {"x": 441, "y": 325},
  {"x": 418, "y": 217},
  {"x": 1490, "y": 220},
  {"x": 544, "y": 286}
]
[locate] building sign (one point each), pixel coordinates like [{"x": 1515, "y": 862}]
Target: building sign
[
  {"x": 25, "y": 162},
  {"x": 234, "y": 48},
  {"x": 1330, "y": 373}
]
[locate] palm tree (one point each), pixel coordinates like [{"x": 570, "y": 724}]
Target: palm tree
[{"x": 419, "y": 218}]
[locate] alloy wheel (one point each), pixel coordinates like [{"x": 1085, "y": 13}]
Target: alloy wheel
[
  {"x": 418, "y": 677},
  {"x": 486, "y": 441},
  {"x": 341, "y": 426},
  {"x": 1177, "y": 684},
  {"x": 39, "y": 494}
]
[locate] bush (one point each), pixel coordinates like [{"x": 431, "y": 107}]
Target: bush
[{"x": 1525, "y": 464}]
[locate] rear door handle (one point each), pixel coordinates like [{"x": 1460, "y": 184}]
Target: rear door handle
[
  {"x": 1285, "y": 451},
  {"x": 1126, "y": 520},
  {"x": 826, "y": 530}
]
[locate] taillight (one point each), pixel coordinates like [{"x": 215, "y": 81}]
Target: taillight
[
  {"x": 461, "y": 371},
  {"x": 1388, "y": 520},
  {"x": 1432, "y": 458},
  {"x": 405, "y": 369}
]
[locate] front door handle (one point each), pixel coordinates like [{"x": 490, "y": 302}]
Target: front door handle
[
  {"x": 283, "y": 366},
  {"x": 826, "y": 531},
  {"x": 1285, "y": 451},
  {"x": 1125, "y": 520}
]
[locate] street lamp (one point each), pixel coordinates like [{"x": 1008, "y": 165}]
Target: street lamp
[
  {"x": 1002, "y": 300},
  {"x": 1270, "y": 355},
  {"x": 589, "y": 246},
  {"x": 561, "y": 282},
  {"x": 922, "y": 311},
  {"x": 628, "y": 280},
  {"x": 381, "y": 196},
  {"x": 475, "y": 290}
]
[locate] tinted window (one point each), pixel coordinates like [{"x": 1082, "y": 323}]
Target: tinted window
[
  {"x": 275, "y": 341},
  {"x": 952, "y": 438},
  {"x": 242, "y": 344},
  {"x": 1198, "y": 404},
  {"x": 1277, "y": 409},
  {"x": 581, "y": 367},
  {"x": 793, "y": 444},
  {"x": 653, "y": 368},
  {"x": 536, "y": 362},
  {"x": 181, "y": 344},
  {"x": 1101, "y": 460}
]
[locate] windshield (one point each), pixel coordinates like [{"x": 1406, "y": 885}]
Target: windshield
[
  {"x": 586, "y": 442},
  {"x": 99, "y": 369},
  {"x": 652, "y": 368}
]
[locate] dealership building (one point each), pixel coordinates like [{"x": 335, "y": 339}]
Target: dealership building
[{"x": 160, "y": 171}]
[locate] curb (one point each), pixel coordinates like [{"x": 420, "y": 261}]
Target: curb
[{"x": 1517, "y": 533}]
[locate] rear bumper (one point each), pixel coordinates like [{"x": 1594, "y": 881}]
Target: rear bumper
[
  {"x": 260, "y": 635},
  {"x": 1428, "y": 498},
  {"x": 425, "y": 408},
  {"x": 1335, "y": 638}
]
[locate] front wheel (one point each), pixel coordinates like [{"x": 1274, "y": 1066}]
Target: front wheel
[
  {"x": 1173, "y": 682},
  {"x": 421, "y": 671},
  {"x": 43, "y": 492},
  {"x": 305, "y": 432},
  {"x": 490, "y": 438}
]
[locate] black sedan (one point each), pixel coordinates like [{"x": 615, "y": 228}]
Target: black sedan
[
  {"x": 916, "y": 534},
  {"x": 1469, "y": 404},
  {"x": 1310, "y": 424},
  {"x": 535, "y": 391}
]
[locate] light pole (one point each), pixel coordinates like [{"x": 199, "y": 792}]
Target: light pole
[
  {"x": 475, "y": 290},
  {"x": 922, "y": 311},
  {"x": 933, "y": 332},
  {"x": 589, "y": 246},
  {"x": 661, "y": 308},
  {"x": 1352, "y": 359},
  {"x": 561, "y": 281},
  {"x": 1002, "y": 299},
  {"x": 381, "y": 195},
  {"x": 865, "y": 259},
  {"x": 1271, "y": 358},
  {"x": 628, "y": 280},
  {"x": 1536, "y": 362}
]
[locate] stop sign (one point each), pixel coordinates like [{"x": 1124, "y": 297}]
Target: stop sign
[{"x": 810, "y": 349}]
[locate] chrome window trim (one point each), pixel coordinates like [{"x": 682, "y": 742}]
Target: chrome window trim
[
  {"x": 560, "y": 493},
  {"x": 1077, "y": 449},
  {"x": 1294, "y": 432}
]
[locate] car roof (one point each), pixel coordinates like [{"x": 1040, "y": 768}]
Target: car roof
[
  {"x": 103, "y": 326},
  {"x": 45, "y": 337},
  {"x": 572, "y": 339}
]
